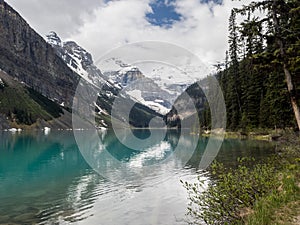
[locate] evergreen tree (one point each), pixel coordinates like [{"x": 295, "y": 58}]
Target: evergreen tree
[
  {"x": 261, "y": 81},
  {"x": 282, "y": 22},
  {"x": 233, "y": 90}
]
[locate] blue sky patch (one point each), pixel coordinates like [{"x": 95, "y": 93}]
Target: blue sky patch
[
  {"x": 219, "y": 2},
  {"x": 164, "y": 13}
]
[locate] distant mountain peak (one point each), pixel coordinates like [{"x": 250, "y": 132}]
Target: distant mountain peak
[
  {"x": 77, "y": 59},
  {"x": 45, "y": 76},
  {"x": 53, "y": 39}
]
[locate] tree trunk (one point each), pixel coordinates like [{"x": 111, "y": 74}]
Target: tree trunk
[
  {"x": 291, "y": 90},
  {"x": 287, "y": 73}
]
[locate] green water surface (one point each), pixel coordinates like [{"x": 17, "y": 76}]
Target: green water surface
[{"x": 48, "y": 179}]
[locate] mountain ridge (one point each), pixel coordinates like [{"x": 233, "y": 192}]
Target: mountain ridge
[
  {"x": 26, "y": 56},
  {"x": 34, "y": 64}
]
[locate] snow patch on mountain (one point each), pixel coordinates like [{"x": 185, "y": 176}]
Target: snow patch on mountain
[
  {"x": 133, "y": 81},
  {"x": 78, "y": 59},
  {"x": 165, "y": 81},
  {"x": 173, "y": 79},
  {"x": 76, "y": 66},
  {"x": 158, "y": 85},
  {"x": 120, "y": 73},
  {"x": 1, "y": 83},
  {"x": 138, "y": 87},
  {"x": 53, "y": 39},
  {"x": 155, "y": 105}
]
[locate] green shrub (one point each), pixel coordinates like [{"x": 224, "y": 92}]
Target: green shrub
[{"x": 226, "y": 200}]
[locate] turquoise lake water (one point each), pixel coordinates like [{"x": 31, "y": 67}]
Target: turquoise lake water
[{"x": 48, "y": 179}]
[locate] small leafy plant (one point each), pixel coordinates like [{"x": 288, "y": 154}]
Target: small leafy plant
[{"x": 229, "y": 198}]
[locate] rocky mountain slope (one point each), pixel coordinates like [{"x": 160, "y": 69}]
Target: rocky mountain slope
[
  {"x": 46, "y": 75},
  {"x": 28, "y": 58},
  {"x": 181, "y": 110},
  {"x": 52, "y": 74},
  {"x": 22, "y": 107},
  {"x": 108, "y": 85},
  {"x": 156, "y": 85},
  {"x": 138, "y": 85},
  {"x": 78, "y": 60},
  {"x": 117, "y": 76}
]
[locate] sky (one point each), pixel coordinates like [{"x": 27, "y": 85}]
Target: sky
[{"x": 200, "y": 26}]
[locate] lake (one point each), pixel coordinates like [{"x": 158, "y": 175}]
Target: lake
[{"x": 49, "y": 178}]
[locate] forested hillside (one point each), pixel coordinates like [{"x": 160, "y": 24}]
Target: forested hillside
[{"x": 260, "y": 77}]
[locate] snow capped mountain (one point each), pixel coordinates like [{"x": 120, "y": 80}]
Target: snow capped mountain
[
  {"x": 43, "y": 75},
  {"x": 152, "y": 84},
  {"x": 120, "y": 73},
  {"x": 155, "y": 104},
  {"x": 53, "y": 39},
  {"x": 156, "y": 86},
  {"x": 170, "y": 78},
  {"x": 78, "y": 59},
  {"x": 107, "y": 85},
  {"x": 81, "y": 62},
  {"x": 137, "y": 86}
]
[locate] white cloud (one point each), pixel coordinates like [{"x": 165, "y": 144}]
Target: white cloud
[
  {"x": 63, "y": 16},
  {"x": 203, "y": 30},
  {"x": 100, "y": 26}
]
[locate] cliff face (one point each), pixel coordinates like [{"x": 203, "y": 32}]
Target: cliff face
[
  {"x": 28, "y": 58},
  {"x": 79, "y": 60},
  {"x": 187, "y": 113},
  {"x": 36, "y": 71}
]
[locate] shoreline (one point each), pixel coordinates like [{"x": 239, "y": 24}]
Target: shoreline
[{"x": 267, "y": 135}]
